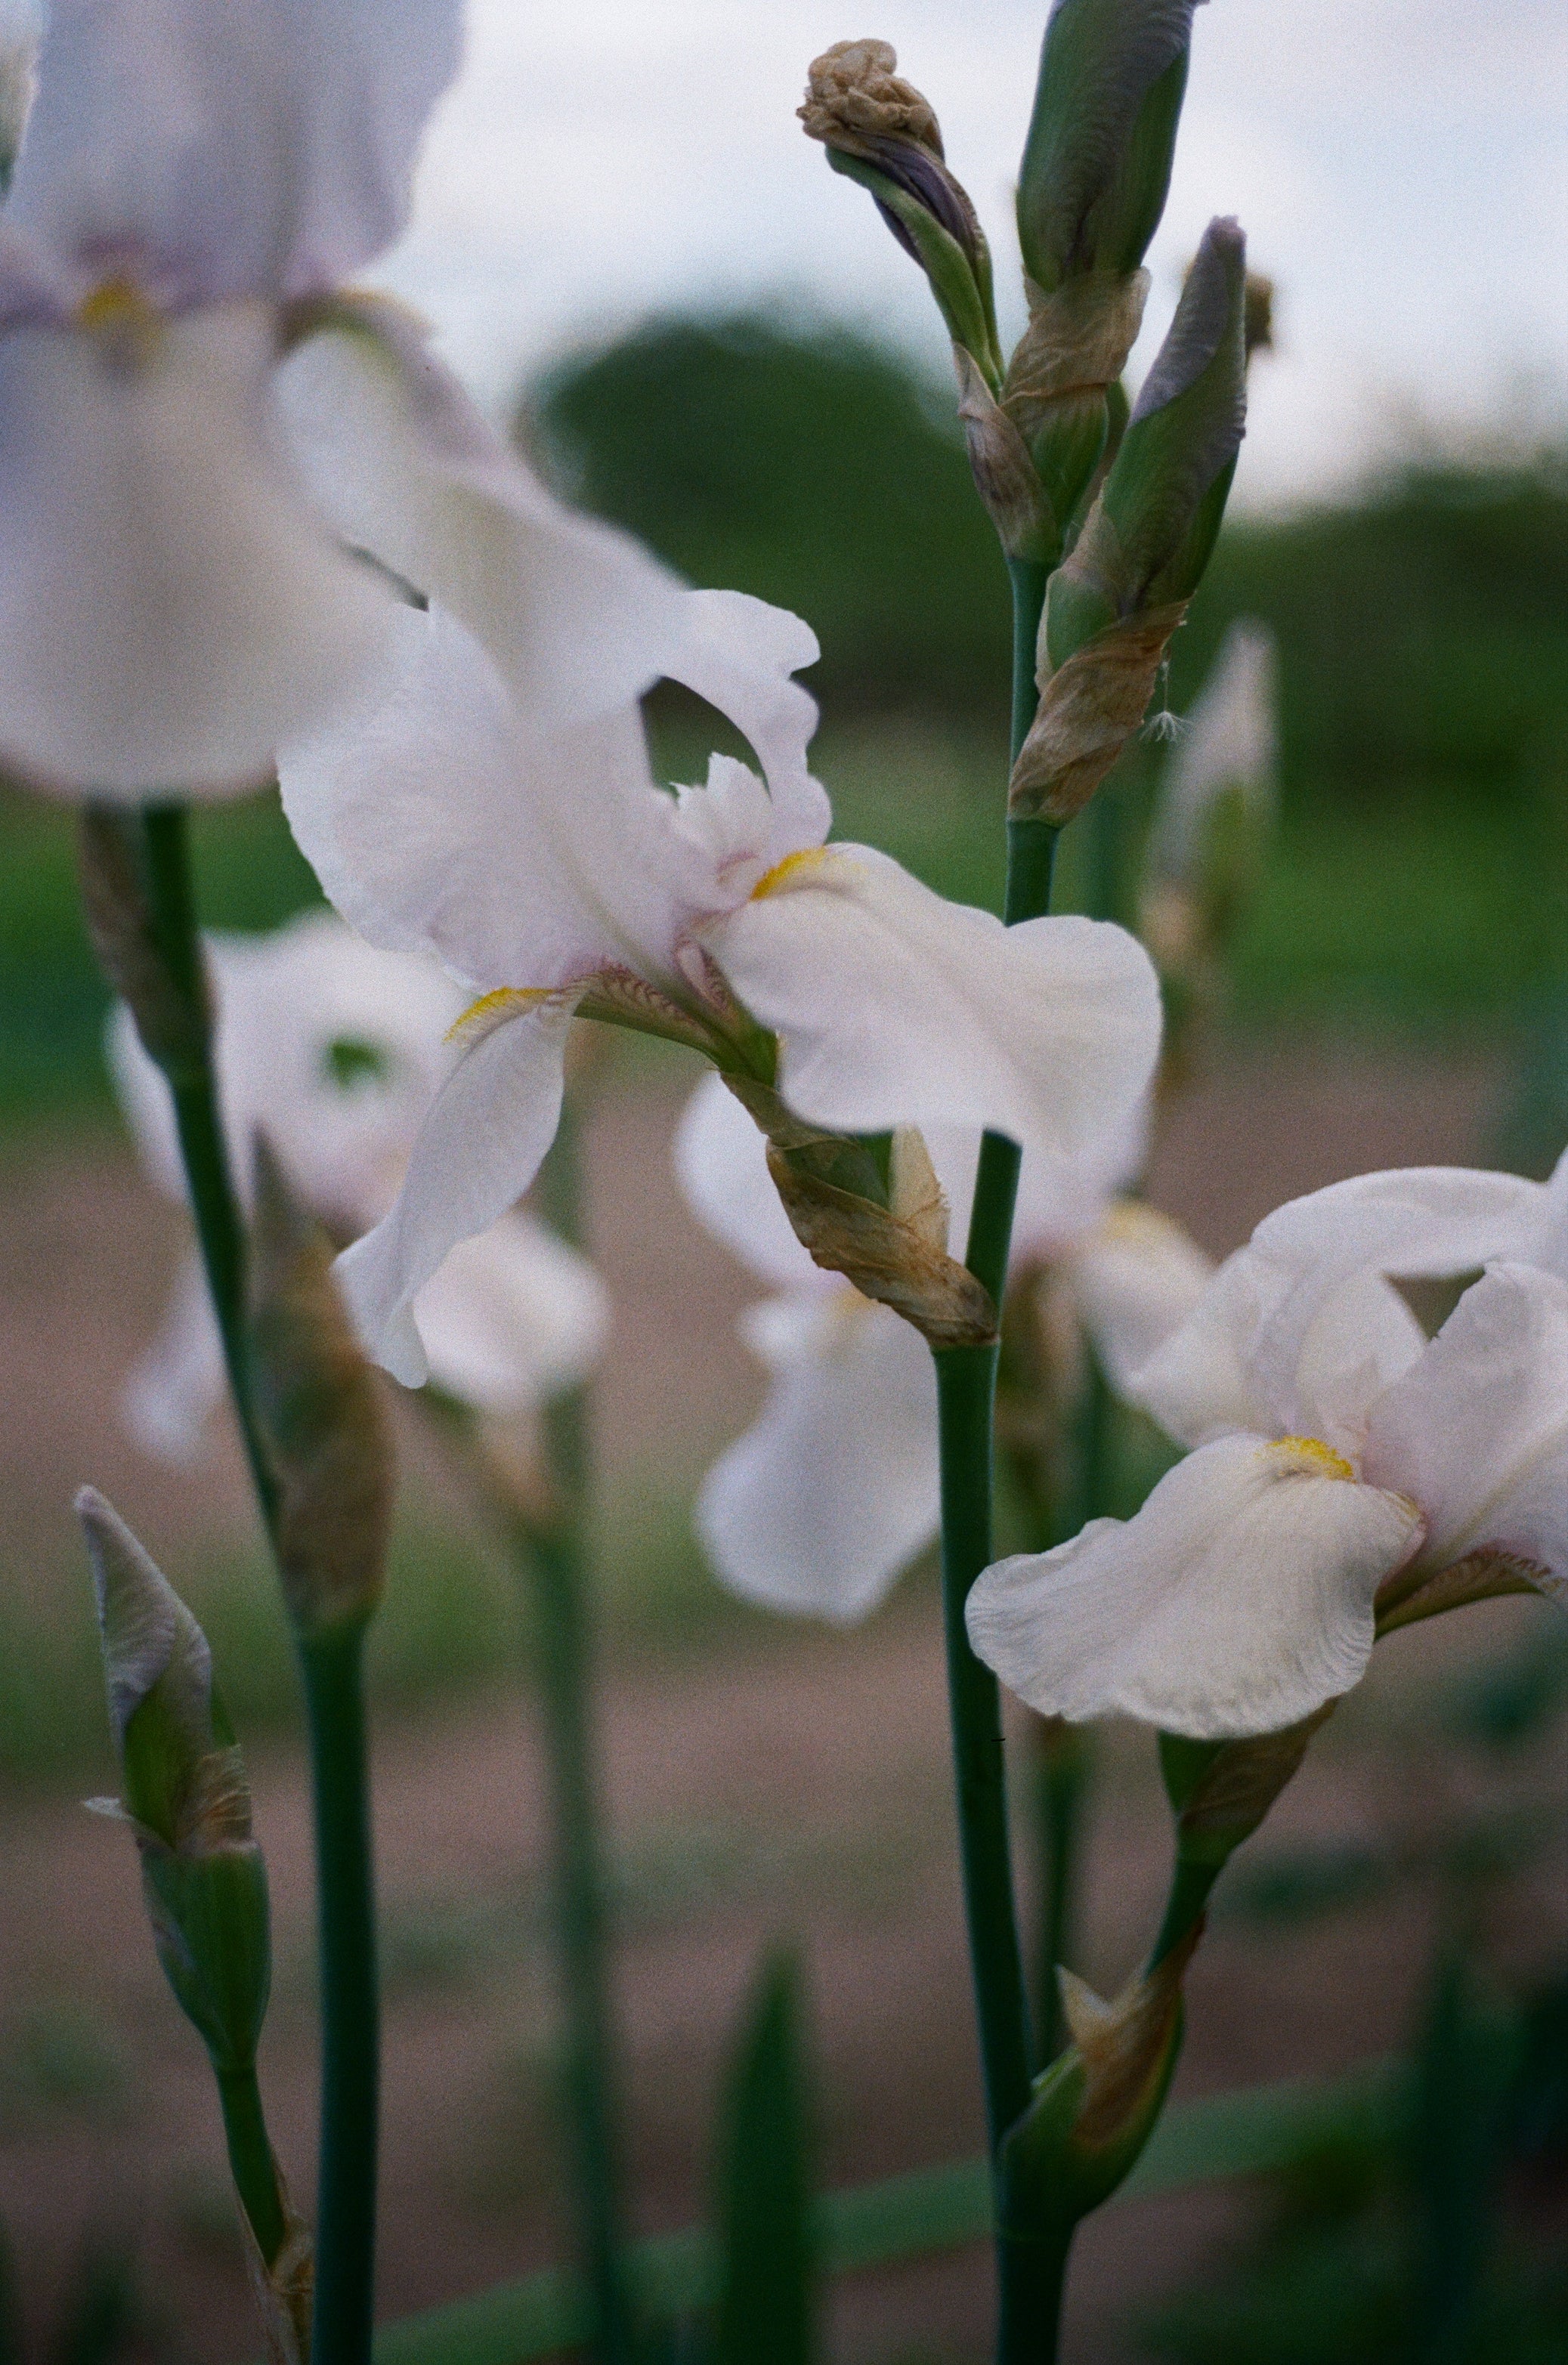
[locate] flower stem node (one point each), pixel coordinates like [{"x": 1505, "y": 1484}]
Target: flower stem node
[
  {"x": 1094, "y": 2108},
  {"x": 878, "y": 130},
  {"x": 875, "y": 1213},
  {"x": 321, "y": 1413},
  {"x": 1115, "y": 603},
  {"x": 185, "y": 1794}
]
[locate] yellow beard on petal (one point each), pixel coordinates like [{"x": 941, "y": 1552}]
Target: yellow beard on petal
[
  {"x": 492, "y": 1010},
  {"x": 785, "y": 873},
  {"x": 125, "y": 325},
  {"x": 1308, "y": 1457}
]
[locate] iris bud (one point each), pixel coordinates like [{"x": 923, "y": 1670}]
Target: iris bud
[
  {"x": 877, "y": 129},
  {"x": 1097, "y": 159},
  {"x": 1115, "y": 604},
  {"x": 184, "y": 1794}
]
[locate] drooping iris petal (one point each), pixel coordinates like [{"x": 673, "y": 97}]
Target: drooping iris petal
[
  {"x": 579, "y": 619},
  {"x": 720, "y": 1159},
  {"x": 1135, "y": 1277},
  {"x": 223, "y": 151},
  {"x": 834, "y": 1489},
  {"x": 479, "y": 1149},
  {"x": 512, "y": 1318},
  {"x": 437, "y": 825},
  {"x": 1478, "y": 1429},
  {"x": 1239, "y": 1599},
  {"x": 173, "y": 1387},
  {"x": 169, "y": 609},
  {"x": 895, "y": 1007}
]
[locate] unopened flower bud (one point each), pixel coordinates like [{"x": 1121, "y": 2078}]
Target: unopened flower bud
[
  {"x": 1097, "y": 159},
  {"x": 877, "y": 129},
  {"x": 320, "y": 1410},
  {"x": 1094, "y": 2108},
  {"x": 184, "y": 1794},
  {"x": 882, "y": 1225},
  {"x": 1115, "y": 604}
]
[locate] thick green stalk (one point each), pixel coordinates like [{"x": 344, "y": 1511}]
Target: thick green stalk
[
  {"x": 215, "y": 1207},
  {"x": 251, "y": 2160},
  {"x": 966, "y": 1382},
  {"x": 555, "y": 1560},
  {"x": 332, "y": 1665}
]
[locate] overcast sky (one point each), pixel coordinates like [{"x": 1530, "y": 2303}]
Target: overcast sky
[{"x": 1400, "y": 165}]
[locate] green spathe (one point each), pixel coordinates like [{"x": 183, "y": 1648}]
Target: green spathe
[
  {"x": 1097, "y": 159},
  {"x": 185, "y": 1794}
]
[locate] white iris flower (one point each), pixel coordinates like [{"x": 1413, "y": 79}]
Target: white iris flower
[
  {"x": 547, "y": 869},
  {"x": 334, "y": 1050},
  {"x": 1343, "y": 1465}
]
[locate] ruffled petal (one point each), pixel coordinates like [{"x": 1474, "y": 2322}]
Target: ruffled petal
[
  {"x": 739, "y": 654},
  {"x": 437, "y": 825},
  {"x": 1136, "y": 1278},
  {"x": 720, "y": 1161},
  {"x": 478, "y": 1150},
  {"x": 216, "y": 151},
  {"x": 895, "y": 1007},
  {"x": 1410, "y": 1222},
  {"x": 1210, "y": 1377},
  {"x": 174, "y": 1387},
  {"x": 1239, "y": 1599},
  {"x": 512, "y": 1318},
  {"x": 577, "y": 618},
  {"x": 169, "y": 609},
  {"x": 835, "y": 1489},
  {"x": 1477, "y": 1432}
]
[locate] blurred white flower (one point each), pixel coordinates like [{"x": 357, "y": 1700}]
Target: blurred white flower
[
  {"x": 835, "y": 1488},
  {"x": 1336, "y": 1451},
  {"x": 553, "y": 874},
  {"x": 333, "y": 1050},
  {"x": 184, "y": 523},
  {"x": 1226, "y": 749}
]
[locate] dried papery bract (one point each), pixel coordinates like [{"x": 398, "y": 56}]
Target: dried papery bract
[
  {"x": 883, "y": 1228},
  {"x": 1115, "y": 604},
  {"x": 187, "y": 1801},
  {"x": 322, "y": 1416}
]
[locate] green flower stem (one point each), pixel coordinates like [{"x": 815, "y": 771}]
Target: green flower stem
[
  {"x": 554, "y": 1561},
  {"x": 198, "y": 1120},
  {"x": 251, "y": 2160},
  {"x": 1191, "y": 1883},
  {"x": 554, "y": 1558},
  {"x": 332, "y": 1665},
  {"x": 966, "y": 1384},
  {"x": 1061, "y": 1781}
]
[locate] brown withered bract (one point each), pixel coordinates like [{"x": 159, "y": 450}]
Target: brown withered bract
[
  {"x": 895, "y": 1250},
  {"x": 1089, "y": 709},
  {"x": 323, "y": 1415}
]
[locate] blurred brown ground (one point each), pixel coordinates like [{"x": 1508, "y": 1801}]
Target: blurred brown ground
[{"x": 792, "y": 1783}]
